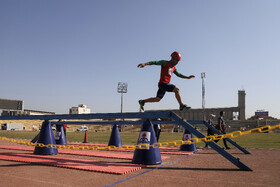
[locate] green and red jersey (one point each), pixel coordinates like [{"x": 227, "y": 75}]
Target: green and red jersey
[{"x": 166, "y": 70}]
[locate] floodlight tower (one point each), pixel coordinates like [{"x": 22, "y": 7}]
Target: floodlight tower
[
  {"x": 203, "y": 94},
  {"x": 122, "y": 88}
]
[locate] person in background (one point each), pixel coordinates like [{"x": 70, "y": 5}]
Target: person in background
[
  {"x": 157, "y": 130},
  {"x": 211, "y": 123},
  {"x": 221, "y": 126},
  {"x": 64, "y": 127}
]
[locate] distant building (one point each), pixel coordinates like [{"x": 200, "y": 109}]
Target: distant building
[
  {"x": 81, "y": 109},
  {"x": 36, "y": 112},
  {"x": 11, "y": 104},
  {"x": 25, "y": 112},
  {"x": 11, "y": 107},
  {"x": 241, "y": 105}
]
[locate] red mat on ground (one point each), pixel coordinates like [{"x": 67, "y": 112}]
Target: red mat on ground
[
  {"x": 81, "y": 164},
  {"x": 79, "y": 152}
]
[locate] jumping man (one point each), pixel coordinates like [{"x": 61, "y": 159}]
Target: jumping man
[{"x": 167, "y": 68}]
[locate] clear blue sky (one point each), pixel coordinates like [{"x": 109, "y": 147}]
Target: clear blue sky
[{"x": 56, "y": 54}]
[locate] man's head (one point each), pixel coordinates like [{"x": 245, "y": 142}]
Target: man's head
[
  {"x": 212, "y": 116},
  {"x": 176, "y": 56},
  {"x": 222, "y": 113}
]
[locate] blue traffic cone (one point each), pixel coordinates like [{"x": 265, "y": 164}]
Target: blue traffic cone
[
  {"x": 115, "y": 138},
  {"x": 46, "y": 137},
  {"x": 150, "y": 155},
  {"x": 187, "y": 147},
  {"x": 60, "y": 137},
  {"x": 35, "y": 139}
]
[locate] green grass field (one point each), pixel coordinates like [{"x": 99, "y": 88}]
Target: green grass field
[{"x": 261, "y": 140}]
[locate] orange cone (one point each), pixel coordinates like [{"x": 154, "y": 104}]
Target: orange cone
[{"x": 85, "y": 139}]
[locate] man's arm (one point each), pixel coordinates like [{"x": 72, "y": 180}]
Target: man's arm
[
  {"x": 161, "y": 62},
  {"x": 183, "y": 76}
]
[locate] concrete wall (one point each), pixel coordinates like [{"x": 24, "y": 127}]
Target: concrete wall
[{"x": 200, "y": 114}]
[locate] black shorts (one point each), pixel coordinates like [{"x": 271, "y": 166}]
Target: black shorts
[
  {"x": 163, "y": 88},
  {"x": 210, "y": 132}
]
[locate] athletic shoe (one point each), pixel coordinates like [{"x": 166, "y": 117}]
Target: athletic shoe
[
  {"x": 184, "y": 107},
  {"x": 228, "y": 148},
  {"x": 141, "y": 103}
]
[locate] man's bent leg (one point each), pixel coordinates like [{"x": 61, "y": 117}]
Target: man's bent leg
[{"x": 176, "y": 90}]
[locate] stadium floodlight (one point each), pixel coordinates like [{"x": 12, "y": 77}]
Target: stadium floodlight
[{"x": 122, "y": 88}]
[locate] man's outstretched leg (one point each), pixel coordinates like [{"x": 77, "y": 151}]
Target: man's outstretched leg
[{"x": 150, "y": 100}]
